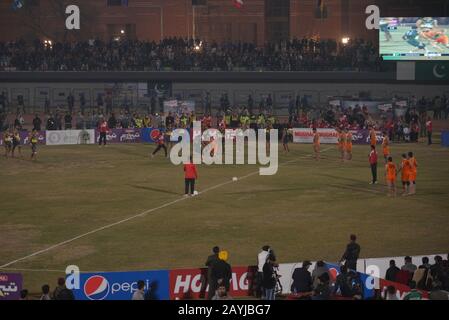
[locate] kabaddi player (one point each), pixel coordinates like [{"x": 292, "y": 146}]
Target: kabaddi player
[
  {"x": 385, "y": 147},
  {"x": 16, "y": 143},
  {"x": 7, "y": 141},
  {"x": 160, "y": 140},
  {"x": 405, "y": 172},
  {"x": 316, "y": 144},
  {"x": 372, "y": 136},
  {"x": 285, "y": 139},
  {"x": 348, "y": 146},
  {"x": 390, "y": 175},
  {"x": 413, "y": 173},
  {"x": 33, "y": 142}
]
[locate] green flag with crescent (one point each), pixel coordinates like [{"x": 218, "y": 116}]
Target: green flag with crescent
[{"x": 432, "y": 71}]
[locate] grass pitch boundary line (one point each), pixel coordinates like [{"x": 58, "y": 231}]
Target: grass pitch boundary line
[{"x": 146, "y": 212}]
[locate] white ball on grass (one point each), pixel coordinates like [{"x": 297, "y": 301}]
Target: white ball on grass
[
  {"x": 234, "y": 179},
  {"x": 195, "y": 193}
]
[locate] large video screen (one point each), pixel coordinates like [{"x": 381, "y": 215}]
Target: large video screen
[{"x": 414, "y": 38}]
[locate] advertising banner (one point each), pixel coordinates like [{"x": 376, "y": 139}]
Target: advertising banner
[
  {"x": 401, "y": 289},
  {"x": 329, "y": 136},
  {"x": 121, "y": 136},
  {"x": 10, "y": 286},
  {"x": 149, "y": 135},
  {"x": 192, "y": 283},
  {"x": 66, "y": 137},
  {"x": 121, "y": 285},
  {"x": 305, "y": 135}
]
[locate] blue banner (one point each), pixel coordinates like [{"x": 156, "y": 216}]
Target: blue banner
[
  {"x": 149, "y": 135},
  {"x": 122, "y": 285}
]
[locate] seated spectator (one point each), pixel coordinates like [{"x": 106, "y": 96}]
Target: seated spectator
[
  {"x": 140, "y": 292},
  {"x": 302, "y": 279},
  {"x": 61, "y": 292},
  {"x": 414, "y": 294},
  {"x": 322, "y": 290},
  {"x": 390, "y": 293},
  {"x": 319, "y": 270},
  {"x": 221, "y": 294},
  {"x": 24, "y": 294},
  {"x": 45, "y": 292}
]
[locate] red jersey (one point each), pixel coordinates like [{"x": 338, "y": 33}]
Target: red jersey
[
  {"x": 190, "y": 171},
  {"x": 429, "y": 126},
  {"x": 103, "y": 127},
  {"x": 373, "y": 157},
  {"x": 161, "y": 139}
]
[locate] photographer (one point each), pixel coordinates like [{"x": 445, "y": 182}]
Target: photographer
[
  {"x": 269, "y": 277},
  {"x": 261, "y": 259}
]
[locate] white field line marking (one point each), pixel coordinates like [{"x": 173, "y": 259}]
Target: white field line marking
[{"x": 138, "y": 215}]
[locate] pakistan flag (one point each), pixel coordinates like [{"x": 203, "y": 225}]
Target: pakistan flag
[{"x": 432, "y": 71}]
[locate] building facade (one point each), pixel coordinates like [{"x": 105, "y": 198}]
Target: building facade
[{"x": 259, "y": 21}]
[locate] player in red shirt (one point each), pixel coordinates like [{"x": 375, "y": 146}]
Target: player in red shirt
[
  {"x": 373, "y": 163},
  {"x": 429, "y": 131},
  {"x": 190, "y": 175},
  {"x": 103, "y": 128},
  {"x": 160, "y": 140}
]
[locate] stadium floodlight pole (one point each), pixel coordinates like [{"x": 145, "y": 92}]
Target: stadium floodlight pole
[{"x": 193, "y": 23}]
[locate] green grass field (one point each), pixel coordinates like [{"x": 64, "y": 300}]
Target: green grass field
[{"x": 305, "y": 211}]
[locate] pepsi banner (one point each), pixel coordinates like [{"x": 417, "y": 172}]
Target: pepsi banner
[
  {"x": 365, "y": 281},
  {"x": 10, "y": 286},
  {"x": 121, "y": 285}
]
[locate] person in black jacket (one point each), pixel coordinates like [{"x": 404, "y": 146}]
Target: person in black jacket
[
  {"x": 221, "y": 273},
  {"x": 302, "y": 279},
  {"x": 61, "y": 292},
  {"x": 211, "y": 260},
  {"x": 351, "y": 253},
  {"x": 269, "y": 278},
  {"x": 37, "y": 122},
  {"x": 392, "y": 271}
]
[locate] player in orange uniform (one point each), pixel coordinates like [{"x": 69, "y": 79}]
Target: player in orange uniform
[
  {"x": 348, "y": 145},
  {"x": 385, "y": 146},
  {"x": 390, "y": 175},
  {"x": 372, "y": 136},
  {"x": 316, "y": 144},
  {"x": 405, "y": 169},
  {"x": 413, "y": 173}
]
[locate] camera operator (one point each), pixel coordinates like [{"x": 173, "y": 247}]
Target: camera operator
[
  {"x": 261, "y": 259},
  {"x": 270, "y": 277}
]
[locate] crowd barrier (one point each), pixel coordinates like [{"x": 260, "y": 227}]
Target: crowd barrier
[{"x": 179, "y": 284}]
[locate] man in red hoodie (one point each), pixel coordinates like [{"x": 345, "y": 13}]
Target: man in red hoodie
[
  {"x": 103, "y": 128},
  {"x": 373, "y": 163},
  {"x": 190, "y": 175}
]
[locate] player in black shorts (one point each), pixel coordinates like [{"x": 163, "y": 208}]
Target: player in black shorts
[
  {"x": 16, "y": 143},
  {"x": 33, "y": 143},
  {"x": 7, "y": 141}
]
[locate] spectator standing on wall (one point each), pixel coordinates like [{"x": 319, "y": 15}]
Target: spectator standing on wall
[
  {"x": 70, "y": 102},
  {"x": 68, "y": 121},
  {"x": 392, "y": 271},
  {"x": 211, "y": 260},
  {"x": 351, "y": 253},
  {"x": 408, "y": 265},
  {"x": 37, "y": 122}
]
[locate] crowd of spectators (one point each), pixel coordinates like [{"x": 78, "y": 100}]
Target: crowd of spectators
[{"x": 186, "y": 54}]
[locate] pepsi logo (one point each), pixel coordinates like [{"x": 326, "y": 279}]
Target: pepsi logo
[
  {"x": 96, "y": 288},
  {"x": 154, "y": 134},
  {"x": 333, "y": 272}
]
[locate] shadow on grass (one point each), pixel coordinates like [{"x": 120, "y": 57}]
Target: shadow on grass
[{"x": 154, "y": 189}]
